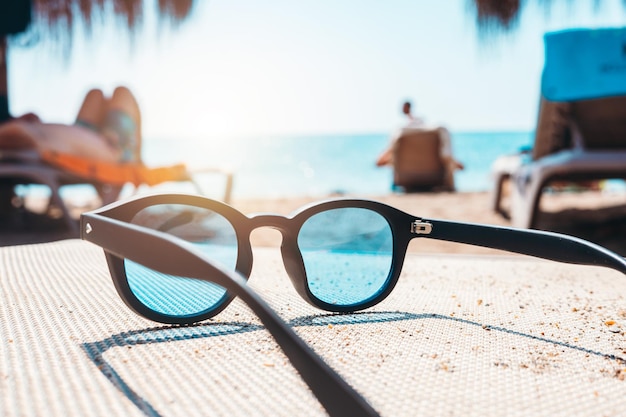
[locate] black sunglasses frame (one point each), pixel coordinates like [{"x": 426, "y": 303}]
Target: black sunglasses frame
[
  {"x": 404, "y": 228},
  {"x": 243, "y": 226}
]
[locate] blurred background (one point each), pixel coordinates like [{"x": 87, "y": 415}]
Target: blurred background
[{"x": 298, "y": 98}]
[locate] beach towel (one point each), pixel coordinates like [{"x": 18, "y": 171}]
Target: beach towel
[{"x": 115, "y": 173}]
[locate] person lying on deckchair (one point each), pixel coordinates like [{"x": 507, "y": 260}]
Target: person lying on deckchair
[
  {"x": 106, "y": 129},
  {"x": 103, "y": 145}
]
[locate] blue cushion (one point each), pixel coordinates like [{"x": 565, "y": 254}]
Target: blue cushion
[{"x": 584, "y": 64}]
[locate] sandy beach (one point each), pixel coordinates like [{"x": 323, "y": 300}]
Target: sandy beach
[{"x": 595, "y": 216}]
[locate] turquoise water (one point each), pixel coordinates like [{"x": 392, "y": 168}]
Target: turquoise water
[{"x": 287, "y": 166}]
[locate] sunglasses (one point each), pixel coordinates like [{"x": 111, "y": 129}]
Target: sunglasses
[{"x": 180, "y": 259}]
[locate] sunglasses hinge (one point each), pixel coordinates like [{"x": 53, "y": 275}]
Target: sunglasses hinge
[{"x": 421, "y": 228}]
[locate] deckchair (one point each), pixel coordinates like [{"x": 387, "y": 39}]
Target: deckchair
[
  {"x": 417, "y": 163},
  {"x": 581, "y": 129},
  {"x": 27, "y": 166},
  {"x": 551, "y": 136},
  {"x": 55, "y": 170}
]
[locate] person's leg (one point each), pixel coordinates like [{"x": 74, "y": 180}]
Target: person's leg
[
  {"x": 123, "y": 121},
  {"x": 124, "y": 101},
  {"x": 93, "y": 110}
]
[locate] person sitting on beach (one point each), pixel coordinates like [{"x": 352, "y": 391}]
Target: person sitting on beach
[
  {"x": 386, "y": 157},
  {"x": 414, "y": 121},
  {"x": 106, "y": 129}
]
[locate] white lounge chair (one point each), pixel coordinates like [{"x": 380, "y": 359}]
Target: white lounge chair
[{"x": 581, "y": 129}]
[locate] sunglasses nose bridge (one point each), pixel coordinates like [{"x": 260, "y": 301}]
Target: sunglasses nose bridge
[
  {"x": 292, "y": 259},
  {"x": 274, "y": 221}
]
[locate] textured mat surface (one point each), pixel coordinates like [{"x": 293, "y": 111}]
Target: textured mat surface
[{"x": 459, "y": 336}]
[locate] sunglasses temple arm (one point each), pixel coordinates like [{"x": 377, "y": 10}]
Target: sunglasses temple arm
[
  {"x": 338, "y": 398},
  {"x": 157, "y": 251},
  {"x": 547, "y": 245}
]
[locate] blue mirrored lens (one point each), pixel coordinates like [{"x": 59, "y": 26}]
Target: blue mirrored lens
[
  {"x": 172, "y": 295},
  {"x": 347, "y": 254}
]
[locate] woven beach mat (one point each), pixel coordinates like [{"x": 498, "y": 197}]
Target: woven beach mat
[{"x": 459, "y": 336}]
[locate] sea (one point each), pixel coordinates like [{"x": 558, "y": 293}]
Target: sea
[
  {"x": 319, "y": 165},
  {"x": 284, "y": 166}
]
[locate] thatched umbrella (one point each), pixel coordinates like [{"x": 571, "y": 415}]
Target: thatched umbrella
[
  {"x": 56, "y": 19},
  {"x": 499, "y": 16}
]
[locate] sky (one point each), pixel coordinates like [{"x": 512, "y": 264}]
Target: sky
[{"x": 284, "y": 67}]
